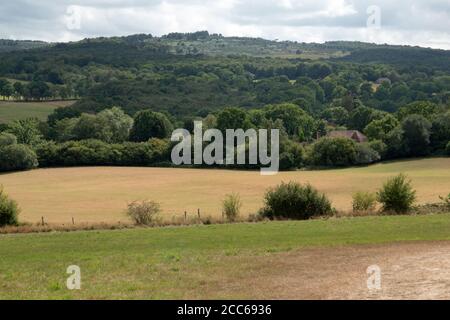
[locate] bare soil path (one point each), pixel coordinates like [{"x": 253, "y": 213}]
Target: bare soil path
[{"x": 413, "y": 270}]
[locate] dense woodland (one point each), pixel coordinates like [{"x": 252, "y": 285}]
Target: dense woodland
[{"x": 132, "y": 91}]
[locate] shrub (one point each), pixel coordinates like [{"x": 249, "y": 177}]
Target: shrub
[
  {"x": 17, "y": 157},
  {"x": 144, "y": 213},
  {"x": 232, "y": 206},
  {"x": 380, "y": 147},
  {"x": 397, "y": 195},
  {"x": 446, "y": 200},
  {"x": 7, "y": 139},
  {"x": 8, "y": 210},
  {"x": 291, "y": 155},
  {"x": 364, "y": 201},
  {"x": 447, "y": 149},
  {"x": 295, "y": 201},
  {"x": 365, "y": 154}
]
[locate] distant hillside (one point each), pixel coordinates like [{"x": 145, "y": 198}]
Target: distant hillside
[
  {"x": 191, "y": 74},
  {"x": 14, "y": 45},
  {"x": 402, "y": 56}
]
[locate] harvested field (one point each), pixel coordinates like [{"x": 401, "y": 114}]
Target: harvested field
[{"x": 101, "y": 194}]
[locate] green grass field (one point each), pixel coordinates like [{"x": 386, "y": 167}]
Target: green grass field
[
  {"x": 183, "y": 262},
  {"x": 10, "y": 111}
]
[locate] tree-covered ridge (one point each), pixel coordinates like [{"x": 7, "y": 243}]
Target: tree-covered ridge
[
  {"x": 15, "y": 45},
  {"x": 142, "y": 71}
]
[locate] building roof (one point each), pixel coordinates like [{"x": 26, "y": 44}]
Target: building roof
[{"x": 350, "y": 134}]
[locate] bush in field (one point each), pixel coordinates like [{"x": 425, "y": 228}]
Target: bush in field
[
  {"x": 364, "y": 201},
  {"x": 397, "y": 195},
  {"x": 8, "y": 210},
  {"x": 7, "y": 139},
  {"x": 17, "y": 157},
  {"x": 144, "y": 213},
  {"x": 446, "y": 200},
  {"x": 295, "y": 201},
  {"x": 447, "y": 149},
  {"x": 232, "y": 206}
]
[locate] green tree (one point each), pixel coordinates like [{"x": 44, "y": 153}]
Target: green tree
[
  {"x": 440, "y": 131},
  {"x": 232, "y": 118},
  {"x": 6, "y": 90},
  {"x": 378, "y": 129},
  {"x": 416, "y": 135},
  {"x": 19, "y": 89},
  {"x": 17, "y": 157},
  {"x": 149, "y": 124},
  {"x": 424, "y": 108},
  {"x": 333, "y": 152},
  {"x": 117, "y": 123},
  {"x": 37, "y": 90},
  {"x": 395, "y": 144},
  {"x": 88, "y": 126},
  {"x": 366, "y": 91},
  {"x": 7, "y": 139},
  {"x": 296, "y": 121},
  {"x": 336, "y": 115},
  {"x": 27, "y": 131},
  {"x": 360, "y": 117},
  {"x": 383, "y": 92},
  {"x": 63, "y": 130}
]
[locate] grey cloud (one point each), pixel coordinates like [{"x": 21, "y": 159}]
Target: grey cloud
[{"x": 425, "y": 23}]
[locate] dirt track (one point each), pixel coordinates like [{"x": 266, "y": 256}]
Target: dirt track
[{"x": 408, "y": 271}]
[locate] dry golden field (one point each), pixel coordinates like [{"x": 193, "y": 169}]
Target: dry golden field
[{"x": 101, "y": 194}]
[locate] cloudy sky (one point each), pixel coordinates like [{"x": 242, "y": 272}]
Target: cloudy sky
[{"x": 414, "y": 22}]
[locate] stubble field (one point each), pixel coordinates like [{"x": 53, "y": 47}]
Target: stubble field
[{"x": 101, "y": 194}]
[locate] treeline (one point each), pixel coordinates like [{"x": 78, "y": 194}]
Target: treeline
[
  {"x": 34, "y": 91},
  {"x": 111, "y": 137},
  {"x": 405, "y": 57}
]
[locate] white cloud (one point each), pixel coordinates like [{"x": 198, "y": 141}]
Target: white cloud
[{"x": 424, "y": 23}]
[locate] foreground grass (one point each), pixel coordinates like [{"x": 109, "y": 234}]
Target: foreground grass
[{"x": 181, "y": 262}]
